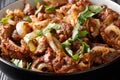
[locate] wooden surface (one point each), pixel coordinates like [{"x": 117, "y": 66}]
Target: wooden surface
[{"x": 5, "y": 3}]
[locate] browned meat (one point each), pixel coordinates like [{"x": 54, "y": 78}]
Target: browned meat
[
  {"x": 41, "y": 66},
  {"x": 16, "y": 36},
  {"x": 42, "y": 45},
  {"x": 10, "y": 50},
  {"x": 111, "y": 35},
  {"x": 28, "y": 10},
  {"x": 49, "y": 55},
  {"x": 55, "y": 2},
  {"x": 76, "y": 45},
  {"x": 101, "y": 54},
  {"x": 6, "y": 31},
  {"x": 108, "y": 15},
  {"x": 64, "y": 32},
  {"x": 44, "y": 63},
  {"x": 64, "y": 63},
  {"x": 98, "y": 44},
  {"x": 117, "y": 23},
  {"x": 85, "y": 61},
  {"x": 93, "y": 26}
]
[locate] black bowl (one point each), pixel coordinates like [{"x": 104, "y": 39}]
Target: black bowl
[
  {"x": 106, "y": 71},
  {"x": 102, "y": 72}
]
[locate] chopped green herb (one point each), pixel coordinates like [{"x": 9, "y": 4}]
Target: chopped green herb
[
  {"x": 85, "y": 47},
  {"x": 75, "y": 32},
  {"x": 76, "y": 56},
  {"x": 49, "y": 8},
  {"x": 4, "y": 19},
  {"x": 88, "y": 12},
  {"x": 82, "y": 15},
  {"x": 50, "y": 27},
  {"x": 38, "y": 32},
  {"x": 95, "y": 8},
  {"x": 69, "y": 51},
  {"x": 82, "y": 33},
  {"x": 47, "y": 29},
  {"x": 27, "y": 18},
  {"x": 67, "y": 42}
]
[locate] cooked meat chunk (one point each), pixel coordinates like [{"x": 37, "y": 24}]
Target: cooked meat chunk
[
  {"x": 6, "y": 31},
  {"x": 56, "y": 2},
  {"x": 98, "y": 44},
  {"x": 93, "y": 26},
  {"x": 42, "y": 45},
  {"x": 40, "y": 66},
  {"x": 10, "y": 50},
  {"x": 64, "y": 63},
  {"x": 49, "y": 55},
  {"x": 28, "y": 10},
  {"x": 16, "y": 36},
  {"x": 85, "y": 61},
  {"x": 76, "y": 45},
  {"x": 117, "y": 23},
  {"x": 111, "y": 35},
  {"x": 108, "y": 15},
  {"x": 44, "y": 64},
  {"x": 64, "y": 32},
  {"x": 101, "y": 54}
]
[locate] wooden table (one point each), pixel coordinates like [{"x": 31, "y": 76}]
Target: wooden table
[{"x": 6, "y": 2}]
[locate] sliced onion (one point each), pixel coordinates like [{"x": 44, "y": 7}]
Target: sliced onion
[
  {"x": 32, "y": 45},
  {"x": 51, "y": 42},
  {"x": 10, "y": 21},
  {"x": 23, "y": 28},
  {"x": 43, "y": 67},
  {"x": 112, "y": 28},
  {"x": 29, "y": 36}
]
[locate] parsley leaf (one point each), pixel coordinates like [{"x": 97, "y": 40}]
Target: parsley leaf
[
  {"x": 38, "y": 32},
  {"x": 67, "y": 42},
  {"x": 85, "y": 47},
  {"x": 69, "y": 51},
  {"x": 96, "y": 9},
  {"x": 87, "y": 13},
  {"x": 49, "y": 8},
  {"x": 4, "y": 19},
  {"x": 27, "y": 18},
  {"x": 50, "y": 27},
  {"x": 82, "y": 33},
  {"x": 75, "y": 32},
  {"x": 76, "y": 56}
]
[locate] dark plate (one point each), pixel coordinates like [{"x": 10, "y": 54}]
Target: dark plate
[{"x": 106, "y": 71}]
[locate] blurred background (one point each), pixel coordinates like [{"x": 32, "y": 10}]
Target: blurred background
[{"x": 4, "y": 3}]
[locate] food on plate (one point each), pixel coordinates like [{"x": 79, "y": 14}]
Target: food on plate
[{"x": 60, "y": 36}]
